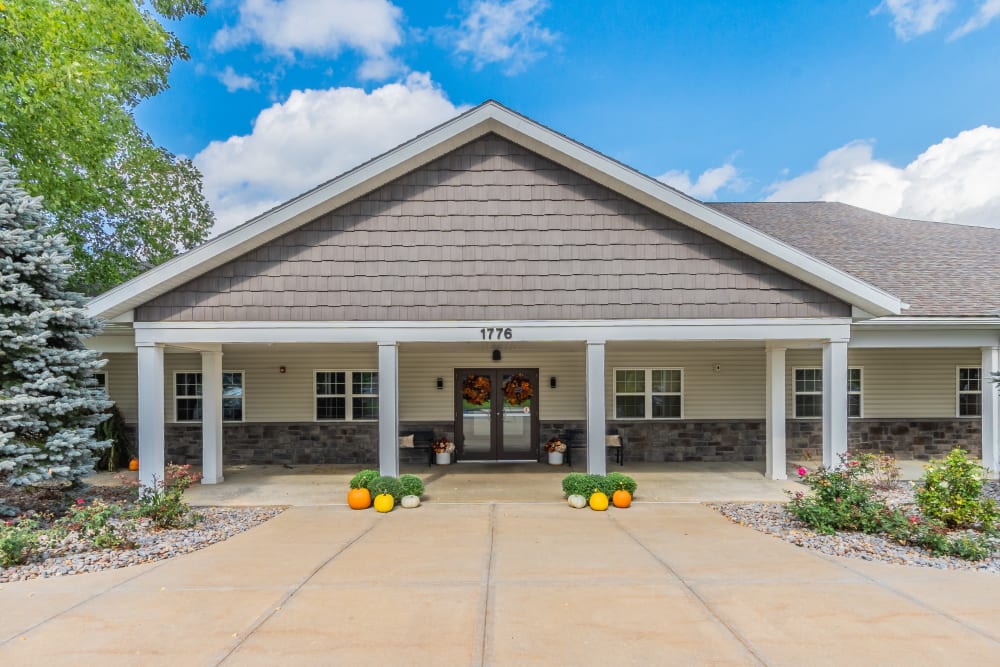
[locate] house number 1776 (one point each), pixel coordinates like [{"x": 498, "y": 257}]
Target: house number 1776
[{"x": 496, "y": 333}]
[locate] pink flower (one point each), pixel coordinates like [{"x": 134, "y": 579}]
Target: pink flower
[
  {"x": 854, "y": 463},
  {"x": 802, "y": 471},
  {"x": 914, "y": 519},
  {"x": 79, "y": 501}
]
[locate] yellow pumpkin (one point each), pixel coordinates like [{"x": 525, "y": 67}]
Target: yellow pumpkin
[
  {"x": 622, "y": 498},
  {"x": 384, "y": 502},
  {"x": 133, "y": 465},
  {"x": 598, "y": 502},
  {"x": 359, "y": 499}
]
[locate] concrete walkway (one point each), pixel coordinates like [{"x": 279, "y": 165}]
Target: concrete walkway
[{"x": 504, "y": 584}]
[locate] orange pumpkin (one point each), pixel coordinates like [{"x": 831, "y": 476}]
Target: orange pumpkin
[
  {"x": 133, "y": 465},
  {"x": 622, "y": 498},
  {"x": 359, "y": 499},
  {"x": 599, "y": 502}
]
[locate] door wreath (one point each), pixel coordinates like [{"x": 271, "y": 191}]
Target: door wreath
[
  {"x": 517, "y": 389},
  {"x": 476, "y": 389}
]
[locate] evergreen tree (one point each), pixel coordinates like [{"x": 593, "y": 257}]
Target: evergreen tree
[{"x": 50, "y": 403}]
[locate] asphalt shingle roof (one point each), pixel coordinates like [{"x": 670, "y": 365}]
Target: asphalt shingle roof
[{"x": 939, "y": 269}]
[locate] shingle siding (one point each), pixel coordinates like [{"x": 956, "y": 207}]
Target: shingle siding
[{"x": 491, "y": 231}]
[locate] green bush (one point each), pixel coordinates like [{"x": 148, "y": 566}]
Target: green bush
[
  {"x": 386, "y": 484},
  {"x": 163, "y": 505},
  {"x": 97, "y": 523},
  {"x": 581, "y": 484},
  {"x": 841, "y": 499},
  {"x": 411, "y": 485},
  {"x": 622, "y": 481},
  {"x": 18, "y": 541},
  {"x": 952, "y": 492},
  {"x": 363, "y": 479}
]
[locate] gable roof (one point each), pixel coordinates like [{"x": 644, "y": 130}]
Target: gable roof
[
  {"x": 486, "y": 118},
  {"x": 939, "y": 269}
]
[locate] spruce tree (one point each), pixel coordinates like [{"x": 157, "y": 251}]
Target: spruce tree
[{"x": 50, "y": 403}]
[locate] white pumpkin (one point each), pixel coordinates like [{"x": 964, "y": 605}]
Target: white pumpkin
[
  {"x": 409, "y": 502},
  {"x": 579, "y": 502}
]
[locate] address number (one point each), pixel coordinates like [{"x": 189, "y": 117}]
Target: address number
[{"x": 496, "y": 333}]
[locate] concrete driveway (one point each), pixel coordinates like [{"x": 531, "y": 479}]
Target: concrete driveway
[{"x": 504, "y": 584}]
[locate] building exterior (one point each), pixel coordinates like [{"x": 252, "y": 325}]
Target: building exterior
[{"x": 496, "y": 283}]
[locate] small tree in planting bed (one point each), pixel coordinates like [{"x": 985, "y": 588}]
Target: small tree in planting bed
[{"x": 49, "y": 400}]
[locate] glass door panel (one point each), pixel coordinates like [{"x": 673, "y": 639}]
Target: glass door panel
[
  {"x": 518, "y": 392},
  {"x": 496, "y": 414},
  {"x": 476, "y": 396}
]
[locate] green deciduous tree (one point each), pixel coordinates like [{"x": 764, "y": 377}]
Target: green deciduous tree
[{"x": 71, "y": 75}]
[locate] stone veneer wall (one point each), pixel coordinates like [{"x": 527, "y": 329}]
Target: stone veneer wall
[{"x": 646, "y": 441}]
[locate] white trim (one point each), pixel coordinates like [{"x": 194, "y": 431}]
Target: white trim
[
  {"x": 796, "y": 392},
  {"x": 959, "y": 392},
  {"x": 795, "y": 406},
  {"x": 647, "y": 393},
  {"x": 486, "y": 118},
  {"x": 774, "y": 410},
  {"x": 860, "y": 393},
  {"x": 921, "y": 335},
  {"x": 348, "y": 394},
  {"x": 173, "y": 389},
  {"x": 243, "y": 397}
]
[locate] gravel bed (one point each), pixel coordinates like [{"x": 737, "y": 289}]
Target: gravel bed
[
  {"x": 771, "y": 518},
  {"x": 74, "y": 556}
]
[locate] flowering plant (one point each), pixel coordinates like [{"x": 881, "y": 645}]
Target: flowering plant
[
  {"x": 443, "y": 446},
  {"x": 517, "y": 389},
  {"x": 476, "y": 389},
  {"x": 555, "y": 445}
]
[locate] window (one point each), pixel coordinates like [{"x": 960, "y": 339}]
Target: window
[
  {"x": 340, "y": 400},
  {"x": 970, "y": 390},
  {"x": 188, "y": 396},
  {"x": 809, "y": 392},
  {"x": 101, "y": 378},
  {"x": 648, "y": 393}
]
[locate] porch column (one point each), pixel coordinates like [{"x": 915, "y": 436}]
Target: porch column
[
  {"x": 150, "y": 431},
  {"x": 211, "y": 417},
  {"x": 388, "y": 408},
  {"x": 834, "y": 401},
  {"x": 991, "y": 409},
  {"x": 596, "y": 419},
  {"x": 775, "y": 394}
]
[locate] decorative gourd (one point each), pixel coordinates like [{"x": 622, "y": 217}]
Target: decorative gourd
[
  {"x": 577, "y": 501},
  {"x": 598, "y": 502},
  {"x": 409, "y": 502},
  {"x": 622, "y": 498},
  {"x": 133, "y": 465},
  {"x": 384, "y": 502},
  {"x": 359, "y": 499}
]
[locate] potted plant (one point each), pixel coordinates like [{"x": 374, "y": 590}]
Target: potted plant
[
  {"x": 555, "y": 447},
  {"x": 443, "y": 449}
]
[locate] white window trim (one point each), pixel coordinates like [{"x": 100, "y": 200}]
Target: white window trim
[
  {"x": 202, "y": 397},
  {"x": 959, "y": 392},
  {"x": 243, "y": 398},
  {"x": 348, "y": 393},
  {"x": 647, "y": 393},
  {"x": 794, "y": 393}
]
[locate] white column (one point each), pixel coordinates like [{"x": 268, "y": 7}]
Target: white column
[
  {"x": 775, "y": 394},
  {"x": 388, "y": 408},
  {"x": 834, "y": 401},
  {"x": 596, "y": 425},
  {"x": 991, "y": 410},
  {"x": 151, "y": 452},
  {"x": 211, "y": 417}
]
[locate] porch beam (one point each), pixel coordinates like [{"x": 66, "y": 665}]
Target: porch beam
[
  {"x": 991, "y": 410},
  {"x": 150, "y": 430},
  {"x": 834, "y": 401},
  {"x": 388, "y": 408},
  {"x": 596, "y": 418},
  {"x": 211, "y": 417},
  {"x": 775, "y": 398}
]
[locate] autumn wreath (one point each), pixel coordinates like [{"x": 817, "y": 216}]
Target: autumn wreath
[
  {"x": 517, "y": 389},
  {"x": 476, "y": 389}
]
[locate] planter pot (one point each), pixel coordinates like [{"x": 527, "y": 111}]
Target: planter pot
[
  {"x": 442, "y": 459},
  {"x": 555, "y": 458}
]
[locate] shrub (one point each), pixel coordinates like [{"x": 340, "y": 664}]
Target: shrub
[
  {"x": 581, "y": 484},
  {"x": 952, "y": 492},
  {"x": 840, "y": 499},
  {"x": 386, "y": 484},
  {"x": 880, "y": 470},
  {"x": 96, "y": 523},
  {"x": 164, "y": 505},
  {"x": 411, "y": 485},
  {"x": 17, "y": 541},
  {"x": 363, "y": 479},
  {"x": 621, "y": 481}
]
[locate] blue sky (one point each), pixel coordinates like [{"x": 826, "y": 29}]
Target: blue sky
[{"x": 893, "y": 106}]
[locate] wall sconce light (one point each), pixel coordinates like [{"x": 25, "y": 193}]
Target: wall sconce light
[
  {"x": 552, "y": 382},
  {"x": 281, "y": 369},
  {"x": 440, "y": 383},
  {"x": 496, "y": 355}
]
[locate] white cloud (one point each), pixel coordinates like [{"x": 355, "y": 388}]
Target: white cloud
[
  {"x": 311, "y": 137},
  {"x": 321, "y": 28},
  {"x": 708, "y": 184},
  {"x": 956, "y": 180},
  {"x": 912, "y": 18},
  {"x": 233, "y": 81},
  {"x": 988, "y": 10},
  {"x": 499, "y": 31}
]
